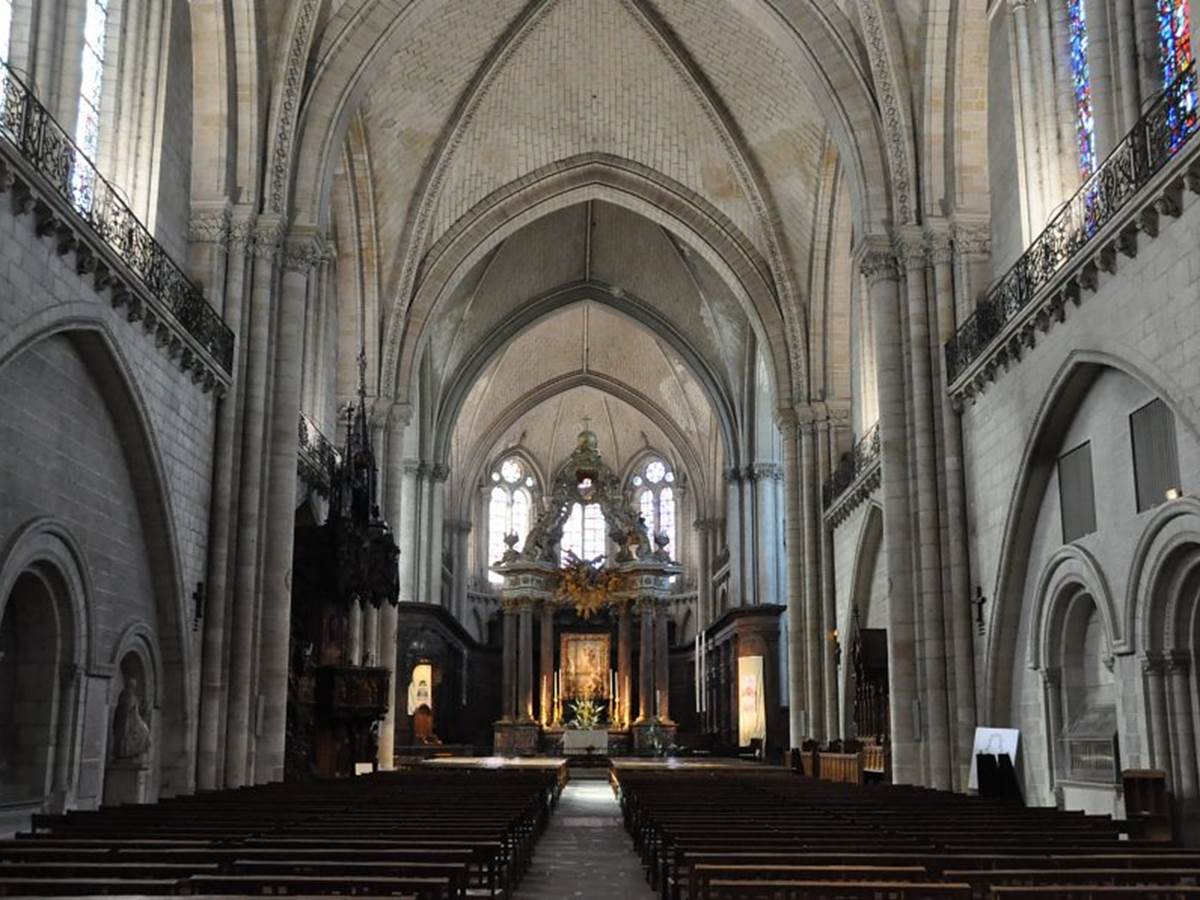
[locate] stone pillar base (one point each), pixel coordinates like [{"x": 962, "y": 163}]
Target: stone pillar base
[
  {"x": 516, "y": 738},
  {"x": 653, "y": 737},
  {"x": 125, "y": 782}
]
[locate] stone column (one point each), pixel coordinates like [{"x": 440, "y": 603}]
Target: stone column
[
  {"x": 1127, "y": 73},
  {"x": 1027, "y": 95},
  {"x": 458, "y": 592},
  {"x": 662, "y": 662},
  {"x": 625, "y": 661},
  {"x": 1157, "y": 724},
  {"x": 1052, "y": 692},
  {"x": 956, "y": 591},
  {"x": 810, "y": 514},
  {"x": 394, "y": 488},
  {"x": 298, "y": 261},
  {"x": 525, "y": 663},
  {"x": 825, "y": 453},
  {"x": 704, "y": 593},
  {"x": 508, "y": 706},
  {"x": 645, "y": 608},
  {"x": 911, "y": 248},
  {"x": 254, "y": 347},
  {"x": 546, "y": 680},
  {"x": 406, "y": 530},
  {"x": 734, "y": 536},
  {"x": 878, "y": 267},
  {"x": 1182, "y": 730},
  {"x": 439, "y": 473},
  {"x": 421, "y": 539},
  {"x": 797, "y": 697},
  {"x": 230, "y": 258}
]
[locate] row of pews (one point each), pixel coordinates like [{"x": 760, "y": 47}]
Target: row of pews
[
  {"x": 426, "y": 834},
  {"x": 771, "y": 835}
]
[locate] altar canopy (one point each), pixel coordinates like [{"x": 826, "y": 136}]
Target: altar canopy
[{"x": 609, "y": 590}]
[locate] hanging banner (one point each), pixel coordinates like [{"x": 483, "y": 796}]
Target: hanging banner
[
  {"x": 752, "y": 706},
  {"x": 419, "y": 691}
]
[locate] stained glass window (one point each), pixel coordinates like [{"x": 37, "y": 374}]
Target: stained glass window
[
  {"x": 91, "y": 88},
  {"x": 1175, "y": 51},
  {"x": 510, "y": 509},
  {"x": 1085, "y": 123},
  {"x": 584, "y": 531},
  {"x": 656, "y": 498},
  {"x": 6, "y": 15}
]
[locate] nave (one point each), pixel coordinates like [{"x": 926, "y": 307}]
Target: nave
[{"x": 676, "y": 830}]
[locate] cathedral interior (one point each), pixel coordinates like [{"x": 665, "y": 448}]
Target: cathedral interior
[{"x": 783, "y": 389}]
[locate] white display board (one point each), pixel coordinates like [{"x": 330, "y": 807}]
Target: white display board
[{"x": 999, "y": 741}]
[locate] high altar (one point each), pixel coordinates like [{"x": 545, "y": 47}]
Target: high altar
[{"x": 583, "y": 612}]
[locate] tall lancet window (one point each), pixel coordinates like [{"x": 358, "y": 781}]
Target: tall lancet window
[
  {"x": 1175, "y": 52},
  {"x": 1085, "y": 123},
  {"x": 6, "y": 17},
  {"x": 510, "y": 509},
  {"x": 654, "y": 487},
  {"x": 584, "y": 531},
  {"x": 91, "y": 90}
]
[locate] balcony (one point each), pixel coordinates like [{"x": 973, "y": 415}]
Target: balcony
[
  {"x": 1123, "y": 198},
  {"x": 48, "y": 175},
  {"x": 852, "y": 482}
]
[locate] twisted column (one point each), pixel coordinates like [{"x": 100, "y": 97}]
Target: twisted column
[
  {"x": 525, "y": 662},
  {"x": 546, "y": 683},
  {"x": 645, "y": 608},
  {"x": 508, "y": 670},
  {"x": 662, "y": 663}
]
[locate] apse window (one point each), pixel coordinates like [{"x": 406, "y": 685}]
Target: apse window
[
  {"x": 510, "y": 507},
  {"x": 584, "y": 531},
  {"x": 1155, "y": 455},
  {"x": 654, "y": 488},
  {"x": 1076, "y": 495}
]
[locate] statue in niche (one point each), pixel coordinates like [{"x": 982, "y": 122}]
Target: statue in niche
[{"x": 131, "y": 733}]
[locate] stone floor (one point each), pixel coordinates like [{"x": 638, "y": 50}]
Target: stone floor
[{"x": 585, "y": 851}]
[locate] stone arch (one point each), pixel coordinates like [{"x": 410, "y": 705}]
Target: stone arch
[
  {"x": 463, "y": 379},
  {"x": 1067, "y": 391},
  {"x": 1167, "y": 543},
  {"x": 567, "y": 183},
  {"x": 114, "y": 378},
  {"x": 45, "y": 593},
  {"x": 1070, "y": 570},
  {"x": 556, "y": 386}
]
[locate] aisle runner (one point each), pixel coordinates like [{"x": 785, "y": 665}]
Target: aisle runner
[{"x": 585, "y": 852}]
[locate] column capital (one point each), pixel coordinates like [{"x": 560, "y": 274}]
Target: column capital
[
  {"x": 1051, "y": 676},
  {"x": 732, "y": 475},
  {"x": 908, "y": 243},
  {"x": 511, "y": 604},
  {"x": 302, "y": 251},
  {"x": 939, "y": 245},
  {"x": 210, "y": 222},
  {"x": 1152, "y": 662},
  {"x": 269, "y": 233},
  {"x": 971, "y": 238},
  {"x": 439, "y": 472},
  {"x": 877, "y": 261},
  {"x": 1178, "y": 662}
]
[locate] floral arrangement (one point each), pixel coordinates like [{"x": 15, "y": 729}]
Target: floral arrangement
[
  {"x": 587, "y": 714},
  {"x": 585, "y": 585}
]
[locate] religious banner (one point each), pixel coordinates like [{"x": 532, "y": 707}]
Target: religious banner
[
  {"x": 420, "y": 691},
  {"x": 752, "y": 706},
  {"x": 584, "y": 662}
]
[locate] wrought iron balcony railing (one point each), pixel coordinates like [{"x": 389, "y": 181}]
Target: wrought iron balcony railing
[
  {"x": 1169, "y": 123},
  {"x": 48, "y": 148},
  {"x": 317, "y": 457},
  {"x": 861, "y": 458}
]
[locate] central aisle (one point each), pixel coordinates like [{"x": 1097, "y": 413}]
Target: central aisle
[{"x": 585, "y": 851}]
